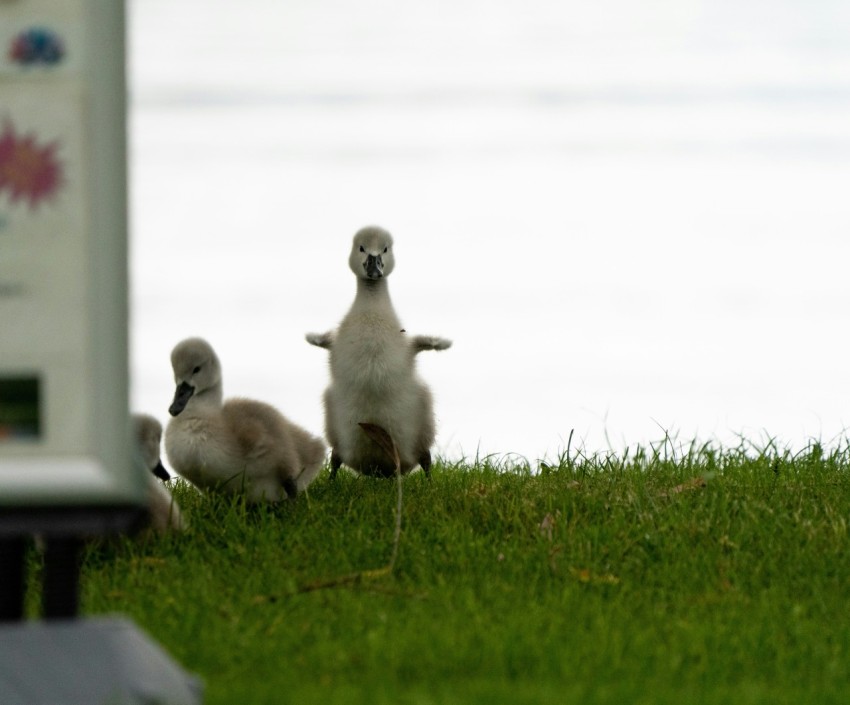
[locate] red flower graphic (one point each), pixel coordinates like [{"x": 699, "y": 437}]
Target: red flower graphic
[{"x": 28, "y": 170}]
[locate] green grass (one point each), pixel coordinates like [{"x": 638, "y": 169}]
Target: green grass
[{"x": 603, "y": 579}]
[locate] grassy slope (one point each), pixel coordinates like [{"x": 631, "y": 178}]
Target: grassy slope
[{"x": 592, "y": 582}]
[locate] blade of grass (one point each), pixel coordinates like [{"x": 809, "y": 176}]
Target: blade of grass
[{"x": 385, "y": 441}]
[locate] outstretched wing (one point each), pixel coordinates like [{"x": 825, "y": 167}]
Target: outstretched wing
[
  {"x": 429, "y": 342},
  {"x": 321, "y": 340}
]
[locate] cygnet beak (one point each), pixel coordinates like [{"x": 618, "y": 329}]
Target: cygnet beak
[
  {"x": 161, "y": 472},
  {"x": 374, "y": 266},
  {"x": 182, "y": 395}
]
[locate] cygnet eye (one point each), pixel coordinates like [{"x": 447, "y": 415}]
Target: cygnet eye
[
  {"x": 385, "y": 250},
  {"x": 362, "y": 248},
  {"x": 196, "y": 370}
]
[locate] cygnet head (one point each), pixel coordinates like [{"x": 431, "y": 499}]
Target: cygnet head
[
  {"x": 196, "y": 370},
  {"x": 148, "y": 436},
  {"x": 372, "y": 254}
]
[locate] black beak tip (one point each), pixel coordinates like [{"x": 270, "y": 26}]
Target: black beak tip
[
  {"x": 160, "y": 472},
  {"x": 182, "y": 395},
  {"x": 374, "y": 267}
]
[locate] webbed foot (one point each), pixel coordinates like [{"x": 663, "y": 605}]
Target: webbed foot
[
  {"x": 336, "y": 462},
  {"x": 291, "y": 488},
  {"x": 425, "y": 463}
]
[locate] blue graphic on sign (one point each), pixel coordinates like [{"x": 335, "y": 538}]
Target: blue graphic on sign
[{"x": 37, "y": 45}]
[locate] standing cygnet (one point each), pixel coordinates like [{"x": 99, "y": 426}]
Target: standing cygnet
[
  {"x": 164, "y": 511},
  {"x": 373, "y": 371},
  {"x": 242, "y": 446}
]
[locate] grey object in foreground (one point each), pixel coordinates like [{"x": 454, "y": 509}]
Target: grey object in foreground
[{"x": 96, "y": 661}]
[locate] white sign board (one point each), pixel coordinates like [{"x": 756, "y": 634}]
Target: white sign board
[{"x": 65, "y": 435}]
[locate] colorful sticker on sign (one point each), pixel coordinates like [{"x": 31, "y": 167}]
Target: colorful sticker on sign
[
  {"x": 28, "y": 170},
  {"x": 37, "y": 46}
]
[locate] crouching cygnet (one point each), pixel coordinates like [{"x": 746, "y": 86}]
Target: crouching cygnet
[
  {"x": 164, "y": 512},
  {"x": 373, "y": 372},
  {"x": 240, "y": 446}
]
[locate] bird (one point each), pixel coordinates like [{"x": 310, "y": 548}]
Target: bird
[
  {"x": 240, "y": 446},
  {"x": 164, "y": 510},
  {"x": 373, "y": 372}
]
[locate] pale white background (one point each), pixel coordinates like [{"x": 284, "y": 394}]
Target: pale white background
[{"x": 631, "y": 217}]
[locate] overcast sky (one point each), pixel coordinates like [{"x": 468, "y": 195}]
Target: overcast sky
[{"x": 631, "y": 217}]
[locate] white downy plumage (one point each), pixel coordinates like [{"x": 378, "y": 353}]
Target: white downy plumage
[
  {"x": 373, "y": 371},
  {"x": 240, "y": 446}
]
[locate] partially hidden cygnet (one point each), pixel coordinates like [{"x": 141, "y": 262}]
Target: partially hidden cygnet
[{"x": 164, "y": 512}]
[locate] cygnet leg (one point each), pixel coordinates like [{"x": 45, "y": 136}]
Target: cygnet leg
[
  {"x": 336, "y": 461},
  {"x": 425, "y": 463}
]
